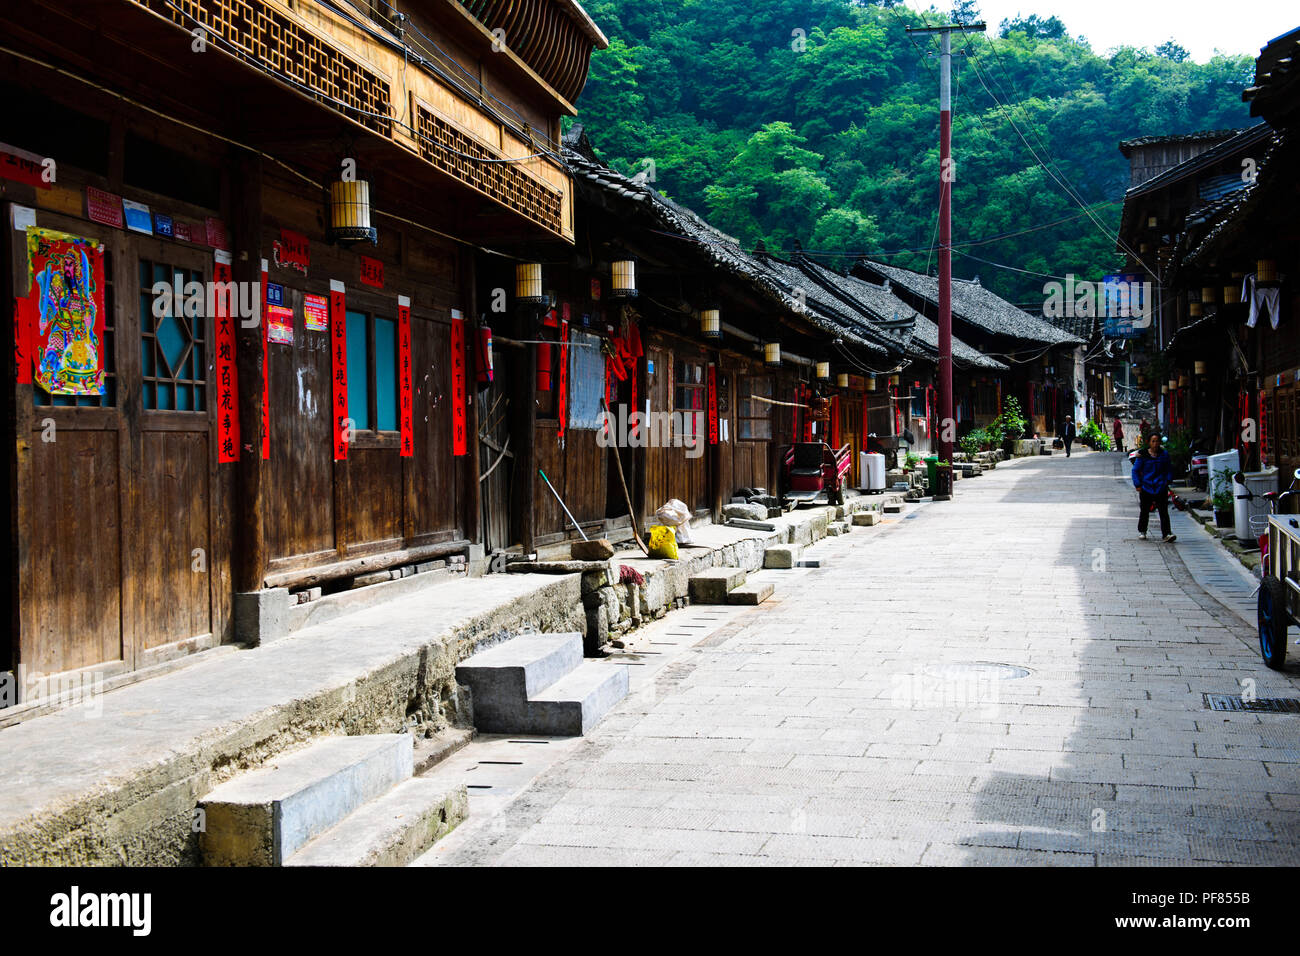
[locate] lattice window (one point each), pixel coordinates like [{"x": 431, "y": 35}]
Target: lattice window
[
  {"x": 256, "y": 32},
  {"x": 173, "y": 356},
  {"x": 440, "y": 144}
]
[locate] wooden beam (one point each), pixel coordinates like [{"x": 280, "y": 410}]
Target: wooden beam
[{"x": 307, "y": 577}]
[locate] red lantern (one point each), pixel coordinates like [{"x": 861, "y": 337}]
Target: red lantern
[
  {"x": 544, "y": 366},
  {"x": 483, "y": 356}
]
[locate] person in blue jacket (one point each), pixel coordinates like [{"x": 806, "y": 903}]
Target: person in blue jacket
[{"x": 1152, "y": 474}]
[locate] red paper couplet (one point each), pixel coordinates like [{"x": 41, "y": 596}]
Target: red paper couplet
[
  {"x": 835, "y": 422},
  {"x": 339, "y": 367},
  {"x": 404, "y": 375},
  {"x": 227, "y": 380},
  {"x": 266, "y": 368},
  {"x": 713, "y": 404},
  {"x": 562, "y": 398},
  {"x": 22, "y": 345},
  {"x": 459, "y": 423}
]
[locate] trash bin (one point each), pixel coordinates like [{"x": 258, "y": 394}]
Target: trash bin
[
  {"x": 932, "y": 471},
  {"x": 872, "y": 468},
  {"x": 1246, "y": 507}
]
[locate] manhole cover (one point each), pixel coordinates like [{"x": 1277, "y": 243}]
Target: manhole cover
[
  {"x": 980, "y": 670},
  {"x": 1266, "y": 705}
]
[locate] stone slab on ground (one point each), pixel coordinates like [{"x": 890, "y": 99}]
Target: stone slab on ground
[
  {"x": 782, "y": 556},
  {"x": 866, "y": 519},
  {"x": 751, "y": 592}
]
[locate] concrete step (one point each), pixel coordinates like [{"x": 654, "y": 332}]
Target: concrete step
[
  {"x": 575, "y": 704},
  {"x": 752, "y": 592},
  {"x": 712, "y": 585},
  {"x": 391, "y": 830},
  {"x": 263, "y": 817},
  {"x": 502, "y": 678}
]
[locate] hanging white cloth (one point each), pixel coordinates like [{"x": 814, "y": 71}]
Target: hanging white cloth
[{"x": 1269, "y": 298}]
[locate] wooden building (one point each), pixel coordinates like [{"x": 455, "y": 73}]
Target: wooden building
[
  {"x": 1216, "y": 234},
  {"x": 341, "y": 165}
]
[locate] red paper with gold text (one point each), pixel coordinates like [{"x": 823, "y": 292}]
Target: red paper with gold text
[
  {"x": 227, "y": 379},
  {"x": 406, "y": 404},
  {"x": 339, "y": 370},
  {"x": 459, "y": 419}
]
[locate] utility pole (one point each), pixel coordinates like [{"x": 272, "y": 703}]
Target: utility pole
[{"x": 947, "y": 174}]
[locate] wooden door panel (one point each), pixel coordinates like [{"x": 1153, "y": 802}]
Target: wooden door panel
[
  {"x": 72, "y": 604},
  {"x": 173, "y": 524}
]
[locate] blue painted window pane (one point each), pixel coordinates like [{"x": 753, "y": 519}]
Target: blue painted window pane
[
  {"x": 358, "y": 371},
  {"x": 386, "y": 374}
]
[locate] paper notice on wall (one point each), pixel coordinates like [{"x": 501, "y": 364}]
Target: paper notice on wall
[
  {"x": 24, "y": 216},
  {"x": 315, "y": 311},
  {"x": 279, "y": 327},
  {"x": 726, "y": 435}
]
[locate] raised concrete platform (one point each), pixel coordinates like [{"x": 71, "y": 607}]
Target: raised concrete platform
[{"x": 263, "y": 817}]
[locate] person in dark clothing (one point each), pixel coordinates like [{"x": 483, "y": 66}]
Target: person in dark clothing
[
  {"x": 1118, "y": 429},
  {"x": 1068, "y": 433},
  {"x": 1152, "y": 474}
]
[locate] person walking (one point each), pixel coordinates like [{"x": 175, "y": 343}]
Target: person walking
[
  {"x": 1119, "y": 435},
  {"x": 1152, "y": 474},
  {"x": 1068, "y": 433}
]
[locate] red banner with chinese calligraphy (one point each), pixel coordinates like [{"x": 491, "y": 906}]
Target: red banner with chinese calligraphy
[
  {"x": 227, "y": 380},
  {"x": 459, "y": 418},
  {"x": 835, "y": 422},
  {"x": 713, "y": 403},
  {"x": 266, "y": 371},
  {"x": 339, "y": 368},
  {"x": 406, "y": 403},
  {"x": 64, "y": 312},
  {"x": 562, "y": 398}
]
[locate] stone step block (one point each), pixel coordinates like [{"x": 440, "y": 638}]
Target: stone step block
[
  {"x": 782, "y": 556},
  {"x": 263, "y": 817},
  {"x": 575, "y": 704},
  {"x": 711, "y": 585},
  {"x": 866, "y": 519},
  {"x": 391, "y": 830},
  {"x": 751, "y": 592},
  {"x": 502, "y": 678}
]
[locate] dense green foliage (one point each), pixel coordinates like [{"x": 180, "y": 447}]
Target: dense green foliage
[{"x": 816, "y": 121}]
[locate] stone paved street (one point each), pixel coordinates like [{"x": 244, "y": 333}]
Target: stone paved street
[{"x": 844, "y": 722}]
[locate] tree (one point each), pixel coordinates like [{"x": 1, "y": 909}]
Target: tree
[
  {"x": 1172, "y": 51},
  {"x": 1033, "y": 26}
]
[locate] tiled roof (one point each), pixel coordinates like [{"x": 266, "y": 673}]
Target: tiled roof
[
  {"x": 883, "y": 305},
  {"x": 974, "y": 305},
  {"x": 719, "y": 249}
]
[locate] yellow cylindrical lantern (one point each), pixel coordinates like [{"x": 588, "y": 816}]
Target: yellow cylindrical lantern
[
  {"x": 1183, "y": 380},
  {"x": 823, "y": 370},
  {"x": 772, "y": 354},
  {"x": 871, "y": 383},
  {"x": 842, "y": 380},
  {"x": 1266, "y": 270},
  {"x": 1151, "y": 222},
  {"x": 1231, "y": 294},
  {"x": 528, "y": 282},
  {"x": 350, "y": 209},
  {"x": 1208, "y": 295},
  {"x": 1194, "y": 309},
  {"x": 711, "y": 323},
  {"x": 623, "y": 280}
]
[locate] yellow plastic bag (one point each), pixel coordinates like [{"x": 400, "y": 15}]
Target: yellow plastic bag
[{"x": 663, "y": 542}]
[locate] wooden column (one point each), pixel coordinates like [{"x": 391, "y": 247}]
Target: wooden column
[
  {"x": 523, "y": 419},
  {"x": 473, "y": 505},
  {"x": 251, "y": 478}
]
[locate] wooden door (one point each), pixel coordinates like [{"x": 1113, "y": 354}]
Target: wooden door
[{"x": 121, "y": 562}]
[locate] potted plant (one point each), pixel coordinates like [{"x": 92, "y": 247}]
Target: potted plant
[
  {"x": 943, "y": 480},
  {"x": 1012, "y": 422},
  {"x": 1222, "y": 499}
]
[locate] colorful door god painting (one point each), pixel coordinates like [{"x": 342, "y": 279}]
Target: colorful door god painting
[{"x": 66, "y": 311}]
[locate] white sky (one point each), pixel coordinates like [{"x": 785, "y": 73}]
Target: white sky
[{"x": 1199, "y": 26}]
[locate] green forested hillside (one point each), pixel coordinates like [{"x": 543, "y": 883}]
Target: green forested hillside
[{"x": 816, "y": 121}]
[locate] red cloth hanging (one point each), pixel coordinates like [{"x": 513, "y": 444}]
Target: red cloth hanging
[
  {"x": 543, "y": 366},
  {"x": 483, "y": 356}
]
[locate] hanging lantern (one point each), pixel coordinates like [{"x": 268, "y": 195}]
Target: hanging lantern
[
  {"x": 528, "y": 283},
  {"x": 483, "y": 356},
  {"x": 1200, "y": 368},
  {"x": 823, "y": 371},
  {"x": 1232, "y": 294},
  {"x": 842, "y": 380},
  {"x": 1194, "y": 309},
  {"x": 1183, "y": 380},
  {"x": 1266, "y": 270},
  {"x": 1164, "y": 389},
  {"x": 350, "y": 211},
  {"x": 772, "y": 354},
  {"x": 623, "y": 279},
  {"x": 893, "y": 380},
  {"x": 1173, "y": 384},
  {"x": 1151, "y": 222},
  {"x": 1208, "y": 295},
  {"x": 711, "y": 323},
  {"x": 871, "y": 383}
]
